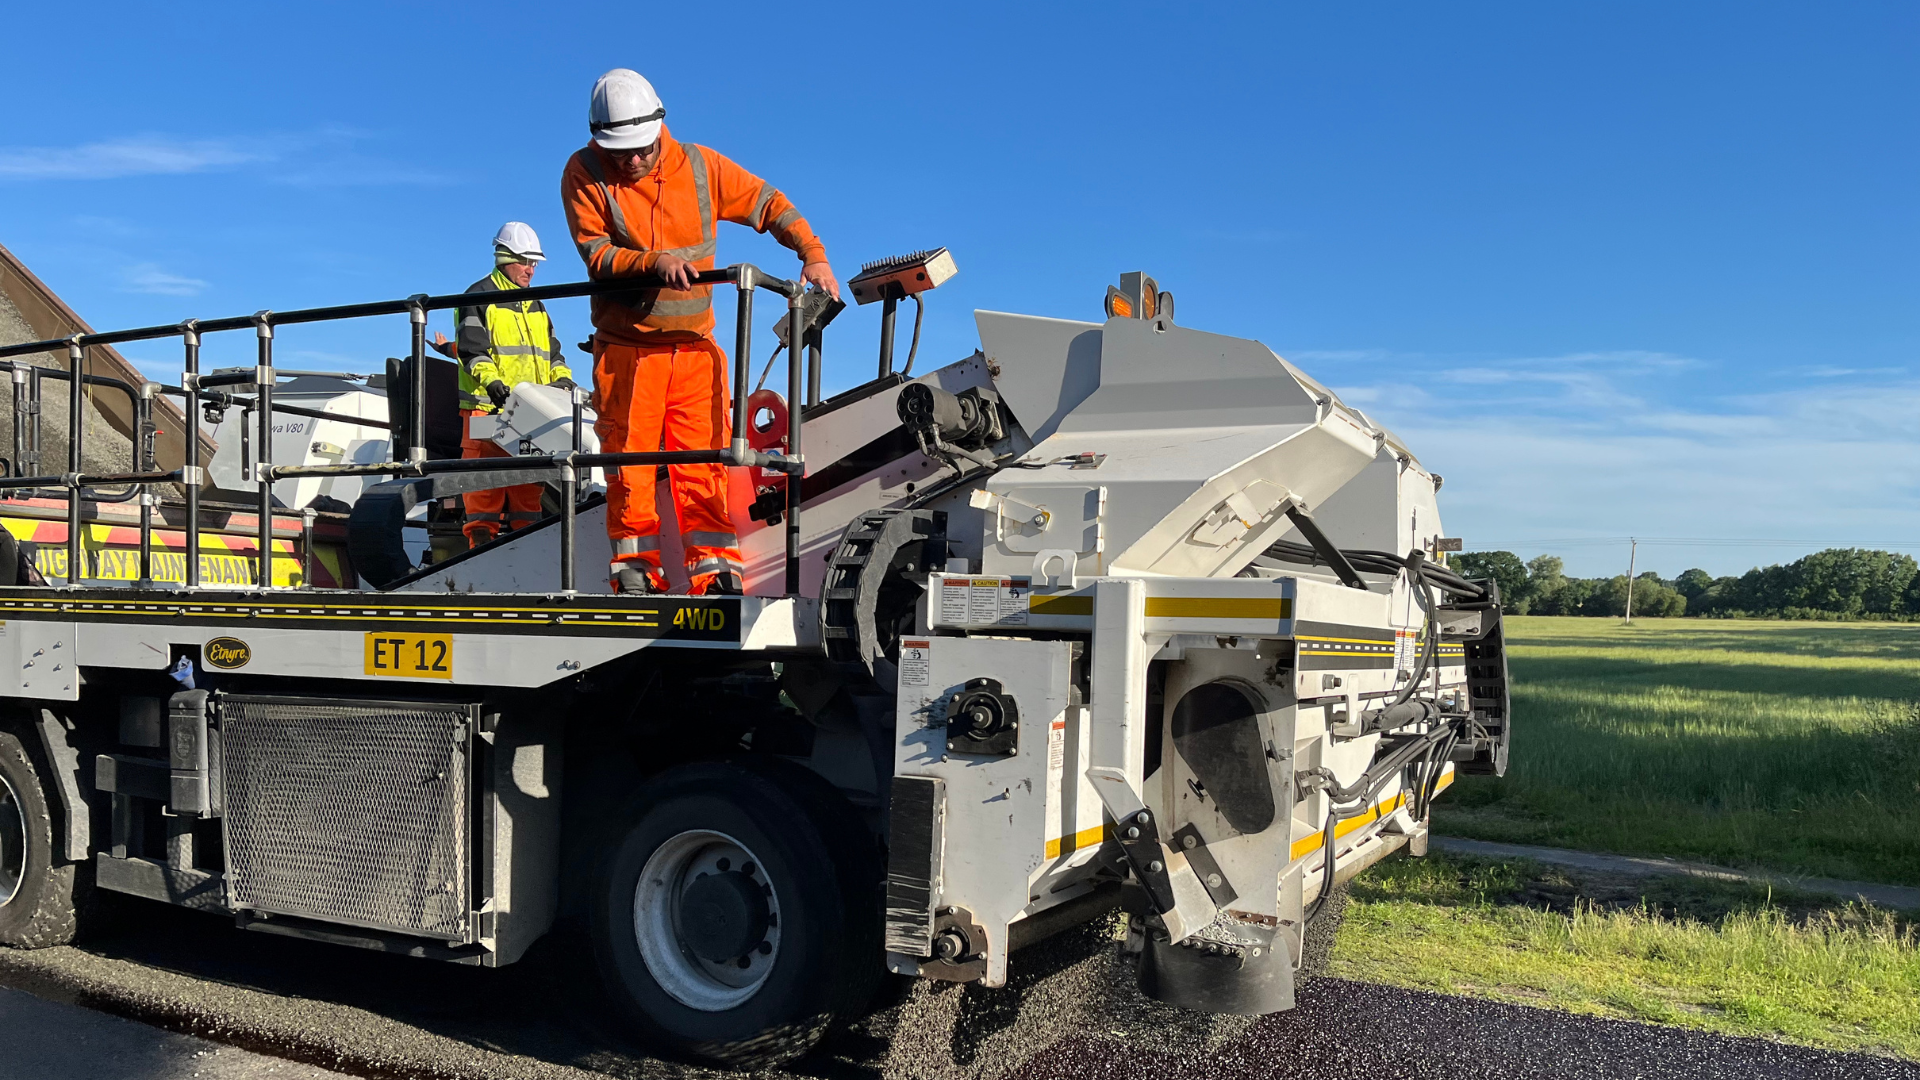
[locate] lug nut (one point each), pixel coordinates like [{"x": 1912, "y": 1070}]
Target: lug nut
[
  {"x": 1189, "y": 842},
  {"x": 1156, "y": 866},
  {"x": 1133, "y": 833}
]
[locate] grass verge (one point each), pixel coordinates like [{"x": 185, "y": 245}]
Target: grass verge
[
  {"x": 1717, "y": 956},
  {"x": 1789, "y": 746}
]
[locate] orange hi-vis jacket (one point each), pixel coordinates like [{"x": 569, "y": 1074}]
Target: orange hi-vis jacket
[{"x": 622, "y": 228}]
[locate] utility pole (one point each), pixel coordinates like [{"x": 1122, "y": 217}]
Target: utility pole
[{"x": 1633, "y": 554}]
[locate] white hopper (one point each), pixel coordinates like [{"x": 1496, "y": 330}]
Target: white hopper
[{"x": 1205, "y": 439}]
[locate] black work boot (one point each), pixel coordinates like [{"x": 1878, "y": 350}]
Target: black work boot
[
  {"x": 725, "y": 583},
  {"x": 632, "y": 581}
]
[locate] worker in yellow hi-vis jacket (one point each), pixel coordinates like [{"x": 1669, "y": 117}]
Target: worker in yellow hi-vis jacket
[{"x": 501, "y": 345}]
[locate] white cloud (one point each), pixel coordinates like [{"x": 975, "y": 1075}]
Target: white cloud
[
  {"x": 140, "y": 156},
  {"x": 322, "y": 158},
  {"x": 1612, "y": 445},
  {"x": 150, "y": 278}
]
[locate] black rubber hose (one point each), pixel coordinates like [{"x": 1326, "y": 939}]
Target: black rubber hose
[
  {"x": 919, "y": 312},
  {"x": 1326, "y": 878},
  {"x": 1367, "y": 787}
]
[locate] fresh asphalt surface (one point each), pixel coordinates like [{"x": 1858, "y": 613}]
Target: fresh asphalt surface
[
  {"x": 1070, "y": 1012},
  {"x": 47, "y": 1040}
]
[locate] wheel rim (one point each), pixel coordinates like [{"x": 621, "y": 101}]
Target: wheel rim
[
  {"x": 685, "y": 923},
  {"x": 13, "y": 842}
]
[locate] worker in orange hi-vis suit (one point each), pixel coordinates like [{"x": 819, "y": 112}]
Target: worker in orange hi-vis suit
[{"x": 642, "y": 204}]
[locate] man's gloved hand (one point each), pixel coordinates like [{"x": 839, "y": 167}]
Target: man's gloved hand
[
  {"x": 498, "y": 391},
  {"x": 564, "y": 383}
]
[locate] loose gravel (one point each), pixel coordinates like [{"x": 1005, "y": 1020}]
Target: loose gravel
[{"x": 1070, "y": 1011}]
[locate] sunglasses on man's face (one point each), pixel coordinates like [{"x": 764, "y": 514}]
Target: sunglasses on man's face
[{"x": 645, "y": 151}]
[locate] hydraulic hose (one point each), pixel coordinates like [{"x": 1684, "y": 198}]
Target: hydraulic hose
[
  {"x": 1380, "y": 562},
  {"x": 1430, "y": 629},
  {"x": 919, "y": 312},
  {"x": 1352, "y": 800}
]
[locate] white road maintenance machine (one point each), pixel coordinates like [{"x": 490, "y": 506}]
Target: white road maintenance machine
[{"x": 1105, "y": 616}]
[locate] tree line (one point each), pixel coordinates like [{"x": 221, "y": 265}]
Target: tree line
[{"x": 1839, "y": 583}]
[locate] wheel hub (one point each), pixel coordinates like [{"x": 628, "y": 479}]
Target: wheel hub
[
  {"x": 13, "y": 842},
  {"x": 723, "y": 916},
  {"x": 707, "y": 918}
]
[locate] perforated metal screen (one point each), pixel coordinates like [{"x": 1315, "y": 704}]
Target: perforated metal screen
[{"x": 348, "y": 811}]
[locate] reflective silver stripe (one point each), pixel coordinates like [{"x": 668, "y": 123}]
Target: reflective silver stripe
[
  {"x": 591, "y": 252},
  {"x": 760, "y": 207},
  {"x": 710, "y": 539},
  {"x": 785, "y": 219},
  {"x": 695, "y": 252},
  {"x": 540, "y": 351},
  {"x": 714, "y": 565},
  {"x": 634, "y": 545},
  {"x": 697, "y": 157},
  {"x": 474, "y": 319},
  {"x": 680, "y": 307},
  {"x": 616, "y": 219}
]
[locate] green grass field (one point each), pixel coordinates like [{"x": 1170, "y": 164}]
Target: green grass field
[
  {"x": 1694, "y": 953},
  {"x": 1778, "y": 745},
  {"x": 1785, "y": 746}
]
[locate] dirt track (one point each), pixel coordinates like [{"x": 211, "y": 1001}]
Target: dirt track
[{"x": 1071, "y": 1012}]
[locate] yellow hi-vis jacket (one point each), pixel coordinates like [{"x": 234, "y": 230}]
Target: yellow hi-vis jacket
[{"x": 512, "y": 342}]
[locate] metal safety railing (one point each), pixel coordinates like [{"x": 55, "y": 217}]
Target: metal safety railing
[{"x": 194, "y": 387}]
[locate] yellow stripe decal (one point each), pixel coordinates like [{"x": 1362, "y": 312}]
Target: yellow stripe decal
[
  {"x": 1310, "y": 844},
  {"x": 1219, "y": 607},
  {"x": 439, "y": 616},
  {"x": 1174, "y": 607},
  {"x": 1062, "y": 845},
  {"x": 1059, "y": 605}
]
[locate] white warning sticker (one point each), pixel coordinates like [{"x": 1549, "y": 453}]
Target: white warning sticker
[
  {"x": 953, "y": 600},
  {"x": 983, "y": 601},
  {"x": 1014, "y": 594},
  {"x": 1057, "y": 746},
  {"x": 916, "y": 663},
  {"x": 1403, "y": 651}
]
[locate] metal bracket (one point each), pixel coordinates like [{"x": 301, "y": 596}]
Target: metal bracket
[
  {"x": 959, "y": 948},
  {"x": 65, "y": 762},
  {"x": 1180, "y": 900},
  {"x": 1323, "y": 547},
  {"x": 1205, "y": 866}
]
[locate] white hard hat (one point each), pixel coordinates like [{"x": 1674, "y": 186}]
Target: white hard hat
[
  {"x": 517, "y": 238},
  {"x": 625, "y": 113}
]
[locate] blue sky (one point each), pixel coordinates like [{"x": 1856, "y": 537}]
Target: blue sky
[{"x": 1626, "y": 269}]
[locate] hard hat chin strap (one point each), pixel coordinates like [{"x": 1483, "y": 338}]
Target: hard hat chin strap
[{"x": 657, "y": 114}]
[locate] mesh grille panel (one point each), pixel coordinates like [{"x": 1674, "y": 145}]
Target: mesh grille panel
[{"x": 349, "y": 811}]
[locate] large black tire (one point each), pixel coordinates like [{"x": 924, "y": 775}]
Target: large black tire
[
  {"x": 820, "y": 923},
  {"x": 40, "y": 895}
]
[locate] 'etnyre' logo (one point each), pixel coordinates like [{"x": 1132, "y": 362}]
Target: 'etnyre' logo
[{"x": 226, "y": 652}]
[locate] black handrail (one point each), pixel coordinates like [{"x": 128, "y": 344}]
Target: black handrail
[
  {"x": 401, "y": 307},
  {"x": 745, "y": 277}
]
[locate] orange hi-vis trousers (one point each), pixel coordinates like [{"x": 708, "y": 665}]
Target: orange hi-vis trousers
[
  {"x": 514, "y": 507},
  {"x": 670, "y": 396}
]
